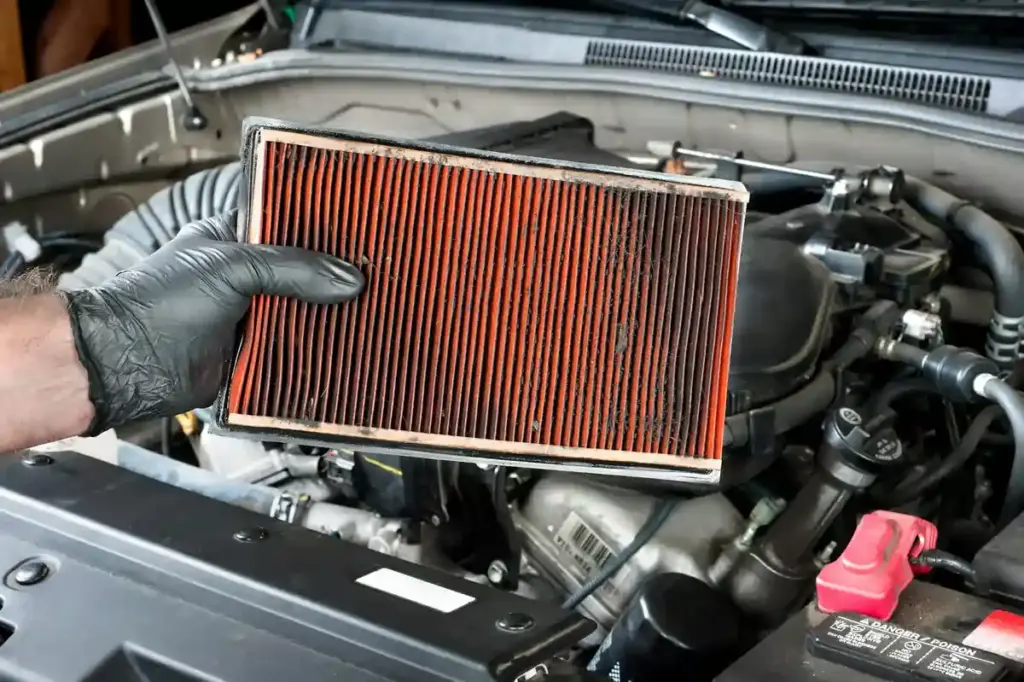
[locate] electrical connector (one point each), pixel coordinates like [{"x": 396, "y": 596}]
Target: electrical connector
[
  {"x": 17, "y": 239},
  {"x": 921, "y": 326}
]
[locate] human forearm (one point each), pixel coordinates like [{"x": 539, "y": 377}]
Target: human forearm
[
  {"x": 44, "y": 390},
  {"x": 151, "y": 342}
]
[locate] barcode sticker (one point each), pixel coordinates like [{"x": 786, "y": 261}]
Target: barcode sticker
[
  {"x": 585, "y": 539},
  {"x": 588, "y": 551}
]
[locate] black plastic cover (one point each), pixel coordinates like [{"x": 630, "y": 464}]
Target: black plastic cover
[
  {"x": 1000, "y": 563},
  {"x": 781, "y": 321},
  {"x": 562, "y": 135},
  {"x": 150, "y": 582}
]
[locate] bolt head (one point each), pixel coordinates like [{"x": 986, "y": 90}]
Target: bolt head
[
  {"x": 36, "y": 459},
  {"x": 31, "y": 573},
  {"x": 497, "y": 572},
  {"x": 251, "y": 535},
  {"x": 515, "y": 622},
  {"x": 193, "y": 120}
]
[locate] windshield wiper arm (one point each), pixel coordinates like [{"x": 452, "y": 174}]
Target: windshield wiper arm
[{"x": 740, "y": 30}]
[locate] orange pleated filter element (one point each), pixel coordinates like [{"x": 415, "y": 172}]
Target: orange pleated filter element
[{"x": 518, "y": 309}]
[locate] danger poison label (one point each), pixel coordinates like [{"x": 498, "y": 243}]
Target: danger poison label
[
  {"x": 917, "y": 636},
  {"x": 871, "y": 645}
]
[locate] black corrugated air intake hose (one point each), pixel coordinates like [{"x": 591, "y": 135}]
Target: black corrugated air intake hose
[{"x": 156, "y": 221}]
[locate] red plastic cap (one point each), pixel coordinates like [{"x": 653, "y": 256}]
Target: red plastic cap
[{"x": 874, "y": 569}]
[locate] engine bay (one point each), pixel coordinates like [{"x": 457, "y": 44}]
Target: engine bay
[{"x": 873, "y": 456}]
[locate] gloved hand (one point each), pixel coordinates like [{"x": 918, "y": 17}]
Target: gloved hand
[{"x": 156, "y": 340}]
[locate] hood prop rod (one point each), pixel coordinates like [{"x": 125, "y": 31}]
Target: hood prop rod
[{"x": 193, "y": 118}]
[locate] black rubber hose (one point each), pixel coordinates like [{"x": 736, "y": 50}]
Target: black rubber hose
[
  {"x": 917, "y": 484},
  {"x": 53, "y": 248},
  {"x": 156, "y": 221},
  {"x": 1012, "y": 403},
  {"x": 936, "y": 558},
  {"x": 791, "y": 411},
  {"x": 659, "y": 514},
  {"x": 907, "y": 354},
  {"x": 75, "y": 243},
  {"x": 997, "y": 249},
  {"x": 900, "y": 388},
  {"x": 813, "y": 397},
  {"x": 795, "y": 409},
  {"x": 770, "y": 182},
  {"x": 894, "y": 390},
  {"x": 11, "y": 266}
]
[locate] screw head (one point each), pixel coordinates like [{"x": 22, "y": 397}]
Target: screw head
[
  {"x": 36, "y": 459},
  {"x": 31, "y": 573},
  {"x": 251, "y": 535},
  {"x": 515, "y": 622}
]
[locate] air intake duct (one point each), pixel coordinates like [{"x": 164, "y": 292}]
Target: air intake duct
[{"x": 517, "y": 310}]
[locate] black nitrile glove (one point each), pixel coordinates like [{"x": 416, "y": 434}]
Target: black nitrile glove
[{"x": 156, "y": 340}]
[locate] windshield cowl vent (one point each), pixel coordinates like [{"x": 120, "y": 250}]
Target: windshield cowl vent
[{"x": 933, "y": 88}]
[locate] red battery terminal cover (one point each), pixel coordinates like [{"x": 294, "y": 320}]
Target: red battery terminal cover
[{"x": 874, "y": 569}]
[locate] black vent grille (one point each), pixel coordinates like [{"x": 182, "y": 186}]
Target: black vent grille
[{"x": 934, "y": 88}]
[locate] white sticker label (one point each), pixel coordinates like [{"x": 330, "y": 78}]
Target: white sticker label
[
  {"x": 415, "y": 590},
  {"x": 1001, "y": 633}
]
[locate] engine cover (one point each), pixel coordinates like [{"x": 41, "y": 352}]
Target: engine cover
[{"x": 781, "y": 323}]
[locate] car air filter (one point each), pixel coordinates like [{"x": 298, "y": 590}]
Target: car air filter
[{"x": 517, "y": 310}]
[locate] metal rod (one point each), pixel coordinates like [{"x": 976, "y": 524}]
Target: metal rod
[
  {"x": 680, "y": 151},
  {"x": 271, "y": 15},
  {"x": 309, "y": 21},
  {"x": 161, "y": 32}
]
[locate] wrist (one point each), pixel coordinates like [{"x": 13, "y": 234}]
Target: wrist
[
  {"x": 67, "y": 381},
  {"x": 105, "y": 336},
  {"x": 44, "y": 386},
  {"x": 82, "y": 309}
]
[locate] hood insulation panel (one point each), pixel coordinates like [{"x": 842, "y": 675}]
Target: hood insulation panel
[{"x": 548, "y": 312}]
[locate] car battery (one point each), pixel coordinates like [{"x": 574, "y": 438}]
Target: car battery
[{"x": 934, "y": 635}]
